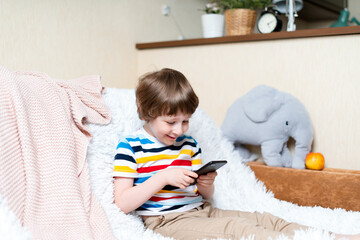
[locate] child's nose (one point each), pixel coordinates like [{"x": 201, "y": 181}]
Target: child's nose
[{"x": 178, "y": 129}]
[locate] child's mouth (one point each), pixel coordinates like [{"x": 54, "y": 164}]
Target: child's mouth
[{"x": 171, "y": 137}]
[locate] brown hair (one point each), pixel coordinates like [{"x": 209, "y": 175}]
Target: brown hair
[{"x": 164, "y": 92}]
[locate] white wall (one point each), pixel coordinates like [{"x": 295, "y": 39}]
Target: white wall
[
  {"x": 354, "y": 8},
  {"x": 153, "y": 26},
  {"x": 71, "y": 38},
  {"x": 67, "y": 39}
]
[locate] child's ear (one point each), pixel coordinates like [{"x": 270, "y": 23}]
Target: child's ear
[
  {"x": 140, "y": 114},
  {"x": 145, "y": 119}
]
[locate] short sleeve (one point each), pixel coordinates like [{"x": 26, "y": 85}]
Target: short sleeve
[
  {"x": 124, "y": 161},
  {"x": 196, "y": 161}
]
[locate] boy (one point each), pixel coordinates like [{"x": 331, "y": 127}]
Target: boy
[{"x": 153, "y": 170}]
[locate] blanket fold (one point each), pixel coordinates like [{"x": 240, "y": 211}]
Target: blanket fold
[{"x": 43, "y": 142}]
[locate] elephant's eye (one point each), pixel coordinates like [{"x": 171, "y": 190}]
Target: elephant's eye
[{"x": 287, "y": 123}]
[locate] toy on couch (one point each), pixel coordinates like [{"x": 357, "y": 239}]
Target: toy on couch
[{"x": 268, "y": 117}]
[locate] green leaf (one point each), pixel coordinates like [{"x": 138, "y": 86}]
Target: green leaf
[{"x": 250, "y": 4}]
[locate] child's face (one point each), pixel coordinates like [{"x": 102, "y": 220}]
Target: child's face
[{"x": 168, "y": 128}]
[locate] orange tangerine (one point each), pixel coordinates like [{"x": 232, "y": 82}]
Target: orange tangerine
[{"x": 315, "y": 161}]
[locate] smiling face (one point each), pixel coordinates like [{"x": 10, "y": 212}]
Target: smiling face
[{"x": 168, "y": 128}]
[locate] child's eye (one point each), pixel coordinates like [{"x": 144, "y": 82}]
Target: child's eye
[
  {"x": 186, "y": 121},
  {"x": 171, "y": 123}
]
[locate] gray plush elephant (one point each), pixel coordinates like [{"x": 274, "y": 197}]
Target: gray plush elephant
[{"x": 267, "y": 117}]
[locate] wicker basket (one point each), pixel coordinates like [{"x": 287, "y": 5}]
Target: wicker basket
[{"x": 240, "y": 21}]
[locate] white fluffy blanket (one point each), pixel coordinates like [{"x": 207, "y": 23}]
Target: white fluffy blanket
[{"x": 236, "y": 185}]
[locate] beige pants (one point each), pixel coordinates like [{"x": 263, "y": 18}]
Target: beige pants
[{"x": 207, "y": 222}]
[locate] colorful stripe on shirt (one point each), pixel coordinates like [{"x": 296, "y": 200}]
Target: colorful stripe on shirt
[{"x": 140, "y": 156}]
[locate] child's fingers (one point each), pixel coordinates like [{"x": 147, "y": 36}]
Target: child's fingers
[
  {"x": 203, "y": 180},
  {"x": 189, "y": 180},
  {"x": 211, "y": 175},
  {"x": 191, "y": 174},
  {"x": 183, "y": 183}
]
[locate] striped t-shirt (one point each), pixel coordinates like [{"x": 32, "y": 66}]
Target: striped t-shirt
[{"x": 141, "y": 155}]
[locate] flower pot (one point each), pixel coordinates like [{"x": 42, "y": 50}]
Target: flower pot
[
  {"x": 212, "y": 25},
  {"x": 240, "y": 21}
]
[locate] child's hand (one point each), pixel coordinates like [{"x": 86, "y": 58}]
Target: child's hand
[
  {"x": 206, "y": 180},
  {"x": 178, "y": 177}
]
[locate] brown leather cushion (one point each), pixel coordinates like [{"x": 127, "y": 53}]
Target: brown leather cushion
[{"x": 329, "y": 188}]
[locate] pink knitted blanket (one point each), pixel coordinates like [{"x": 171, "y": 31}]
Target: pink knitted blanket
[{"x": 43, "y": 141}]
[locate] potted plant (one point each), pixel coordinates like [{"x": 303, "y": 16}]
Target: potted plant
[
  {"x": 240, "y": 15},
  {"x": 212, "y": 21}
]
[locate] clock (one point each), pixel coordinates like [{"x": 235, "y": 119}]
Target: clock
[{"x": 269, "y": 21}]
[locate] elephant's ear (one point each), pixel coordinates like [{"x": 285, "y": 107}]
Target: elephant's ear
[{"x": 261, "y": 102}]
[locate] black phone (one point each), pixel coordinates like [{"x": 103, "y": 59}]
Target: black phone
[{"x": 211, "y": 166}]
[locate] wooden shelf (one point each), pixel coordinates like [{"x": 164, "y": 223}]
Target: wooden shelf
[
  {"x": 321, "y": 32},
  {"x": 329, "y": 188}
]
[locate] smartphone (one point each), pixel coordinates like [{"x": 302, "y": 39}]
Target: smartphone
[{"x": 211, "y": 166}]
